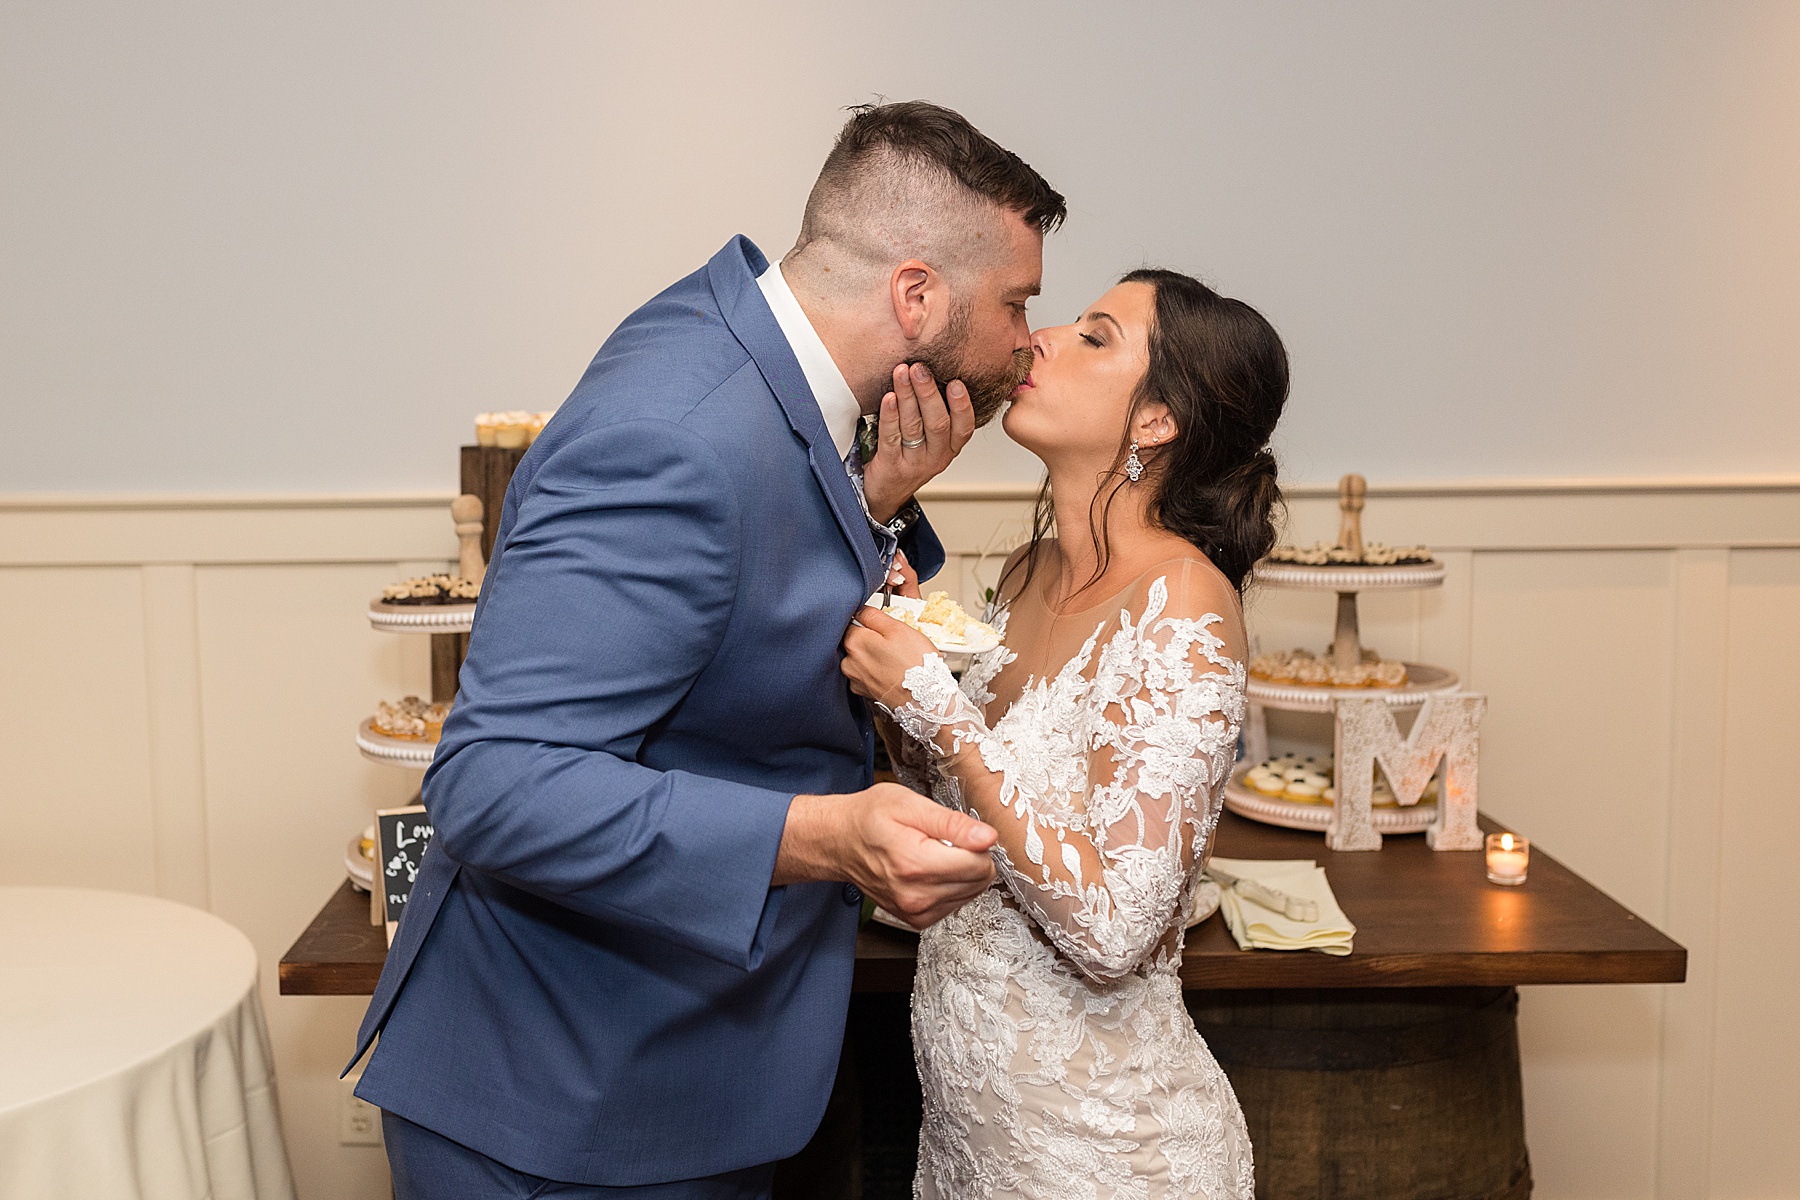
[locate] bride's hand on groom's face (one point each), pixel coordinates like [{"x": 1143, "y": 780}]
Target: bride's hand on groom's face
[
  {"x": 918, "y": 432},
  {"x": 878, "y": 652}
]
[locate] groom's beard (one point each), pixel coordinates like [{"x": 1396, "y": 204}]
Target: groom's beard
[{"x": 988, "y": 390}]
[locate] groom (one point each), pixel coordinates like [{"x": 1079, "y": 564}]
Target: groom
[{"x": 627, "y": 959}]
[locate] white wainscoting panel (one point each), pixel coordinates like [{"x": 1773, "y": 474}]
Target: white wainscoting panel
[
  {"x": 1572, "y": 649},
  {"x": 288, "y": 667},
  {"x": 1756, "y": 1063},
  {"x": 1640, "y": 641},
  {"x": 77, "y": 803}
]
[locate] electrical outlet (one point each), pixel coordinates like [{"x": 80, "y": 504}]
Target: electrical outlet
[{"x": 359, "y": 1122}]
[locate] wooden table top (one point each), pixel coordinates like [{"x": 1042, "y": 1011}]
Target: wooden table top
[{"x": 1422, "y": 919}]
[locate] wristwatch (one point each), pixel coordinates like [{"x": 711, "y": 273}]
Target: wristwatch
[{"x": 910, "y": 514}]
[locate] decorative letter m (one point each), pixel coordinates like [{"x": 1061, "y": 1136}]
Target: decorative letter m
[{"x": 1448, "y": 728}]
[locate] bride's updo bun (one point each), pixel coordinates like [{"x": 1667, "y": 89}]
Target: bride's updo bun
[{"x": 1222, "y": 371}]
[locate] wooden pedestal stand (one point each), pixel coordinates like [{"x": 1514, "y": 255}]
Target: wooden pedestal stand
[{"x": 486, "y": 472}]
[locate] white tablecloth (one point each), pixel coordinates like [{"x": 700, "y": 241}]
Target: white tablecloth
[{"x": 134, "y": 1062}]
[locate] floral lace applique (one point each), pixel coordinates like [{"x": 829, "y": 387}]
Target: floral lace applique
[{"x": 1072, "y": 1069}]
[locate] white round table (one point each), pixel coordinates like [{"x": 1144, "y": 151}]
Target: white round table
[{"x": 134, "y": 1061}]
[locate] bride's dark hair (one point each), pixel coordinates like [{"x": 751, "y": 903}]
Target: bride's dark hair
[{"x": 1222, "y": 371}]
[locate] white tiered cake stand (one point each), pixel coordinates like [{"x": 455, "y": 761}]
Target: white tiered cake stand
[
  {"x": 395, "y": 618},
  {"x": 421, "y": 618},
  {"x": 395, "y": 752},
  {"x": 1422, "y": 679}
]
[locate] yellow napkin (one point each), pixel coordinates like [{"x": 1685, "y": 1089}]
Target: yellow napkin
[{"x": 1257, "y": 928}]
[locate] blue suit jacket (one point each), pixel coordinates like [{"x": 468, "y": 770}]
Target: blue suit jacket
[{"x": 594, "y": 980}]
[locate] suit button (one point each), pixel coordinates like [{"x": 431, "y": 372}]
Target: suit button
[{"x": 852, "y": 894}]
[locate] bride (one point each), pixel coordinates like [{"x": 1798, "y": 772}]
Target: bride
[{"x": 1055, "y": 1054}]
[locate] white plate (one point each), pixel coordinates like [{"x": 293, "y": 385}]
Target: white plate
[
  {"x": 1422, "y": 681},
  {"x": 985, "y": 638},
  {"x": 882, "y": 916},
  {"x": 360, "y": 870},
  {"x": 1206, "y": 903},
  {"x": 399, "y": 752},
  {"x": 1350, "y": 577},
  {"x": 422, "y": 618}
]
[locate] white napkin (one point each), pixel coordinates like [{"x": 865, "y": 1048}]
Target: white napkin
[{"x": 1258, "y": 928}]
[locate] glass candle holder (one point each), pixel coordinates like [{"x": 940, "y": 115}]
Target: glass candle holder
[{"x": 1508, "y": 855}]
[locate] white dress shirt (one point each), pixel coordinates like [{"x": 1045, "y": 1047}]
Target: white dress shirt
[{"x": 837, "y": 403}]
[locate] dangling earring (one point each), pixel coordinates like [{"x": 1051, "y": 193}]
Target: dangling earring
[{"x": 1134, "y": 468}]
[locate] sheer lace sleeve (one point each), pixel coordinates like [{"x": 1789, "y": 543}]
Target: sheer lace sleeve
[
  {"x": 914, "y": 760},
  {"x": 910, "y": 759},
  {"x": 1105, "y": 790}
]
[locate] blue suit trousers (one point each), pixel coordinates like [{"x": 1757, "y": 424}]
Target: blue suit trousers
[{"x": 429, "y": 1166}]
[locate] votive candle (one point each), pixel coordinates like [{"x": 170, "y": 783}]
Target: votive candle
[{"x": 1508, "y": 854}]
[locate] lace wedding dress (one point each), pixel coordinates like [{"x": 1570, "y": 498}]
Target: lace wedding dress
[{"x": 1055, "y": 1054}]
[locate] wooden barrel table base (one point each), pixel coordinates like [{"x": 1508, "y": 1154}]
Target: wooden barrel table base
[{"x": 1375, "y": 1094}]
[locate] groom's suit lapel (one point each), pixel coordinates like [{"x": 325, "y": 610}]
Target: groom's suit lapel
[{"x": 733, "y": 272}]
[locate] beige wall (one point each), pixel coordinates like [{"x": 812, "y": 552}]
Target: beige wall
[
  {"x": 1638, "y": 643},
  {"x": 296, "y": 246},
  {"x": 257, "y": 249}
]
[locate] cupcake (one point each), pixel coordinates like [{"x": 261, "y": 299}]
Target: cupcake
[
  {"x": 1265, "y": 781},
  {"x": 1389, "y": 674},
  {"x": 404, "y": 720},
  {"x": 1303, "y": 792},
  {"x": 513, "y": 431},
  {"x": 1313, "y": 671}
]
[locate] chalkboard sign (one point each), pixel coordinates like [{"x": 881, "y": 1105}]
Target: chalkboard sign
[{"x": 401, "y": 835}]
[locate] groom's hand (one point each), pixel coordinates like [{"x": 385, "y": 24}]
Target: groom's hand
[
  {"x": 918, "y": 432},
  {"x": 890, "y": 842}
]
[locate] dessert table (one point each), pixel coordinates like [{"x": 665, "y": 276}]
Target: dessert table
[
  {"x": 136, "y": 1059},
  {"x": 1391, "y": 1072},
  {"x": 1423, "y": 919}
]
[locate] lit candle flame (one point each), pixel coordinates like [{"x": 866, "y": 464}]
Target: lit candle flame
[{"x": 1506, "y": 841}]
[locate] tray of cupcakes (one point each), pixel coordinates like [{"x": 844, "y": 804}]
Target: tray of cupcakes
[
  {"x": 510, "y": 430},
  {"x": 403, "y": 732},
  {"x": 1358, "y": 567},
  {"x": 426, "y": 604},
  {"x": 1297, "y": 791},
  {"x": 1302, "y": 681}
]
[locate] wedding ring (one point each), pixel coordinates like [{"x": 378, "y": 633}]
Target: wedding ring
[{"x": 912, "y": 445}]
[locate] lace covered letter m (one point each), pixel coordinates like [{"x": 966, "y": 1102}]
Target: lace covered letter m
[{"x": 1448, "y": 728}]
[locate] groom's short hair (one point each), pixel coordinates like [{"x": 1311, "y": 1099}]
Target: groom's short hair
[{"x": 900, "y": 173}]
